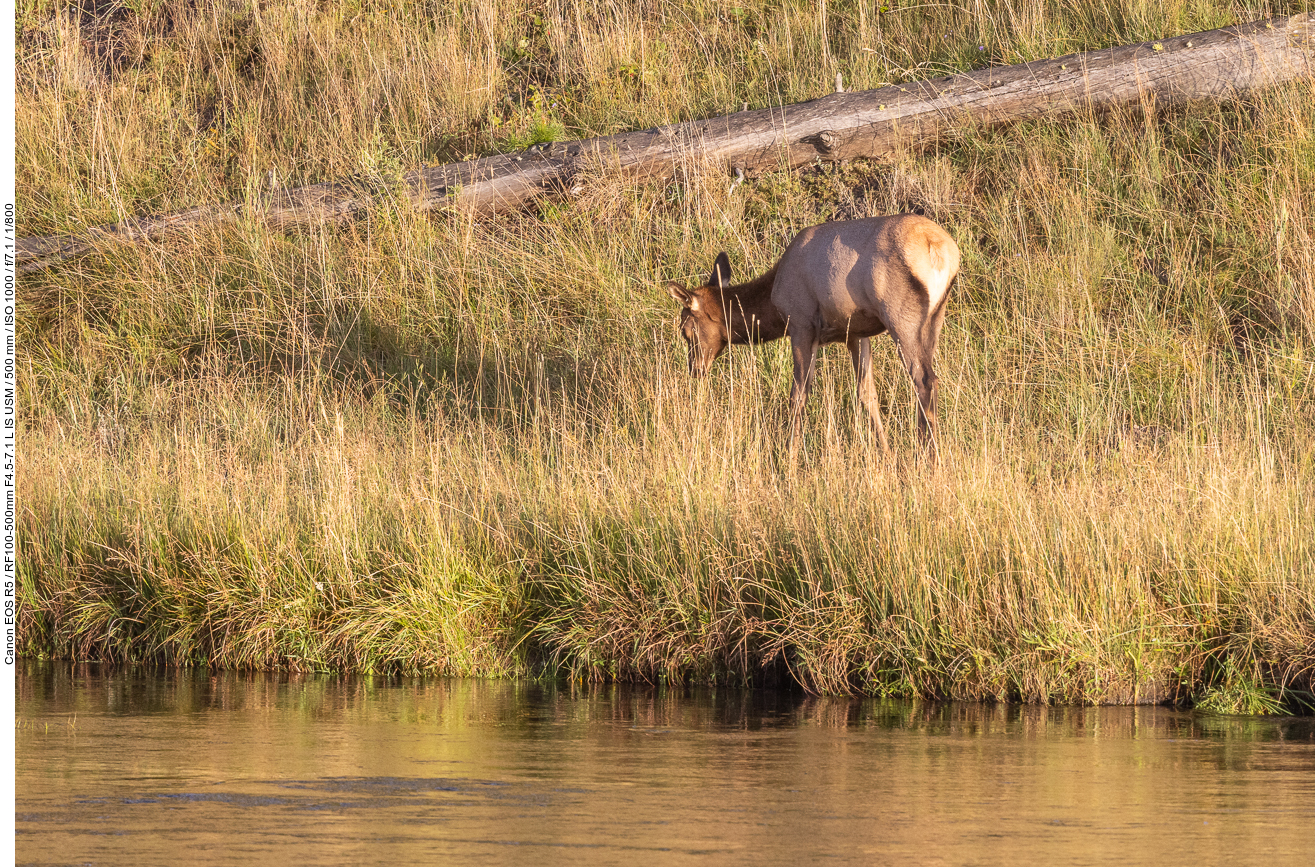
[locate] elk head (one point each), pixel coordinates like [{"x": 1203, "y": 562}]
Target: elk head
[{"x": 702, "y": 319}]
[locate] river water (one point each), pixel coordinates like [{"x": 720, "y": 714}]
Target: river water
[{"x": 124, "y": 766}]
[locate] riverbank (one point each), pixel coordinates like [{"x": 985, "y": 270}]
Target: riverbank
[{"x": 432, "y": 444}]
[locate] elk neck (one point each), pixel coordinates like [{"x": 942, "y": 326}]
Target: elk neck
[{"x": 750, "y": 313}]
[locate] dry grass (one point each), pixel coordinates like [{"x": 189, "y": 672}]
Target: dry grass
[{"x": 426, "y": 443}]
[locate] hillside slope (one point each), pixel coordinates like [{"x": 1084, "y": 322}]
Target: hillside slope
[{"x": 435, "y": 444}]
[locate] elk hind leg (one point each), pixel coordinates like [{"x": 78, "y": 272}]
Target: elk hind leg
[
  {"x": 917, "y": 355},
  {"x": 924, "y": 384},
  {"x": 927, "y": 389}
]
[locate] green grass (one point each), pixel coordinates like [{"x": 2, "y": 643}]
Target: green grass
[{"x": 429, "y": 443}]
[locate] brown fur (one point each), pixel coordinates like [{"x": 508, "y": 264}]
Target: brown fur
[{"x": 843, "y": 281}]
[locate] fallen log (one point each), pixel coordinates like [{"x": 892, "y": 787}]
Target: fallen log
[{"x": 872, "y": 123}]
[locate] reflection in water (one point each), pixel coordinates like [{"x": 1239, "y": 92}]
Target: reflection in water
[{"x": 123, "y": 766}]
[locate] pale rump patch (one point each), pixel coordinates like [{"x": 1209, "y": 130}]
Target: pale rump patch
[{"x": 933, "y": 262}]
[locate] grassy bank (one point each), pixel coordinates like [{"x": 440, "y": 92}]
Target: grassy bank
[{"x": 425, "y": 443}]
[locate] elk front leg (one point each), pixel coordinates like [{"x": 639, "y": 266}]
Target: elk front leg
[
  {"x": 860, "y": 350},
  {"x": 803, "y": 345}
]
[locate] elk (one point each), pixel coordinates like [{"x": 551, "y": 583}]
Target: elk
[{"x": 842, "y": 281}]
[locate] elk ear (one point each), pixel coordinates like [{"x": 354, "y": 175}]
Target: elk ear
[
  {"x": 721, "y": 273},
  {"x": 680, "y": 293}
]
